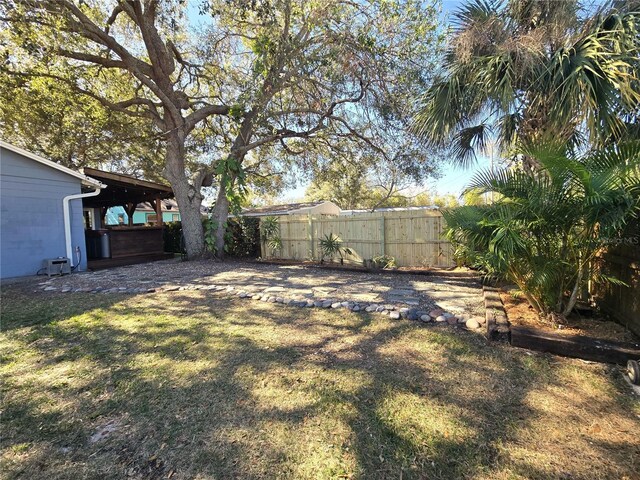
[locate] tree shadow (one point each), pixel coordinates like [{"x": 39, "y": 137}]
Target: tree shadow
[{"x": 206, "y": 386}]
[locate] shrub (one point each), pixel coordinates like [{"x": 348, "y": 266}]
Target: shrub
[
  {"x": 270, "y": 234},
  {"x": 172, "y": 235},
  {"x": 384, "y": 261},
  {"x": 544, "y": 231},
  {"x": 243, "y": 237},
  {"x": 331, "y": 246}
]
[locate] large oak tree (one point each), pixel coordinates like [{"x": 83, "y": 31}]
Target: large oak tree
[{"x": 282, "y": 75}]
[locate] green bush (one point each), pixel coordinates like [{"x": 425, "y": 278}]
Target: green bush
[
  {"x": 242, "y": 237},
  {"x": 384, "y": 261},
  {"x": 270, "y": 235},
  {"x": 546, "y": 228},
  {"x": 330, "y": 246},
  {"x": 172, "y": 235}
]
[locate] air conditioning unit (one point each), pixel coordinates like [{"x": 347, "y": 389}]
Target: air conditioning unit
[{"x": 56, "y": 266}]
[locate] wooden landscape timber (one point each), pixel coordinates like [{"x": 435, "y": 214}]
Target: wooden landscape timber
[{"x": 575, "y": 346}]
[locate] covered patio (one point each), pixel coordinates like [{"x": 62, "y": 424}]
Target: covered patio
[{"x": 126, "y": 243}]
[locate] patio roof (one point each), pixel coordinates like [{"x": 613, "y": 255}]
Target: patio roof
[{"x": 124, "y": 189}]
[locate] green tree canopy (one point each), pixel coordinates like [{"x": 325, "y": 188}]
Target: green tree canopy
[
  {"x": 261, "y": 84},
  {"x": 531, "y": 71}
]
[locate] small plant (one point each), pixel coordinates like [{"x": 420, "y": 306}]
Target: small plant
[
  {"x": 331, "y": 246},
  {"x": 270, "y": 234},
  {"x": 384, "y": 261},
  {"x": 269, "y": 227},
  {"x": 275, "y": 245}
]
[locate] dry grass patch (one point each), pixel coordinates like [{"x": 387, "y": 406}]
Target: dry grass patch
[{"x": 196, "y": 385}]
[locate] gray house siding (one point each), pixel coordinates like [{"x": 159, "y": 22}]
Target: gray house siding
[{"x": 31, "y": 215}]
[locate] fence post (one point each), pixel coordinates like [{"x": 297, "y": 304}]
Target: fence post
[
  {"x": 310, "y": 235},
  {"x": 382, "y": 239}
]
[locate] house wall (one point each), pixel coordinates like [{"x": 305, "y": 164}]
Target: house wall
[
  {"x": 31, "y": 216},
  {"x": 327, "y": 208},
  {"x": 139, "y": 216}
]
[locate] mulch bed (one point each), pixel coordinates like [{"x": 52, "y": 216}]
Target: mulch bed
[{"x": 520, "y": 313}]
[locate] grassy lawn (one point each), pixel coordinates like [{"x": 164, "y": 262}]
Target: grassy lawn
[{"x": 196, "y": 385}]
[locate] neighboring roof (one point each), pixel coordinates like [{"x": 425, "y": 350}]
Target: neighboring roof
[
  {"x": 284, "y": 209},
  {"x": 88, "y": 181},
  {"x": 122, "y": 189}
]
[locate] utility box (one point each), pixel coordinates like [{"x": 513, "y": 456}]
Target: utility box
[{"x": 57, "y": 266}]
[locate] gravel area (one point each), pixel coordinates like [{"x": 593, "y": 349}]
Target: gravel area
[{"x": 457, "y": 295}]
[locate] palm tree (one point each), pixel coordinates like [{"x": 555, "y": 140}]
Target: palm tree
[
  {"x": 545, "y": 229},
  {"x": 533, "y": 70}
]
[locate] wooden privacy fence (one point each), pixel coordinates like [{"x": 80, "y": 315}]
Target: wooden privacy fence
[
  {"x": 413, "y": 238},
  {"x": 621, "y": 261}
]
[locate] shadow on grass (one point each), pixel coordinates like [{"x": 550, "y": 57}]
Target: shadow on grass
[{"x": 198, "y": 385}]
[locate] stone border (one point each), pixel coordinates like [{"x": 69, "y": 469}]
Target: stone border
[
  {"x": 497, "y": 324},
  {"x": 436, "y": 316},
  {"x": 279, "y": 295}
]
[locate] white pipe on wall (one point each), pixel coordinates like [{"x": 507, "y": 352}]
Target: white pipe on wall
[{"x": 67, "y": 217}]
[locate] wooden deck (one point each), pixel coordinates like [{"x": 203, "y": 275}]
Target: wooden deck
[{"x": 102, "y": 263}]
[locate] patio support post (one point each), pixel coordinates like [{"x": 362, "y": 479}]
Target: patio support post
[
  {"x": 130, "y": 208},
  {"x": 103, "y": 216},
  {"x": 158, "y": 206}
]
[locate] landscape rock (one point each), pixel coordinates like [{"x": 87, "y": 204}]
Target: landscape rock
[
  {"x": 394, "y": 315},
  {"x": 472, "y": 324},
  {"x": 412, "y": 314},
  {"x": 441, "y": 319},
  {"x": 436, "y": 313},
  {"x": 425, "y": 318}
]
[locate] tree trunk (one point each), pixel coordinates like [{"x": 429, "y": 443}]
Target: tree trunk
[
  {"x": 574, "y": 293},
  {"x": 220, "y": 215},
  {"x": 188, "y": 197}
]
